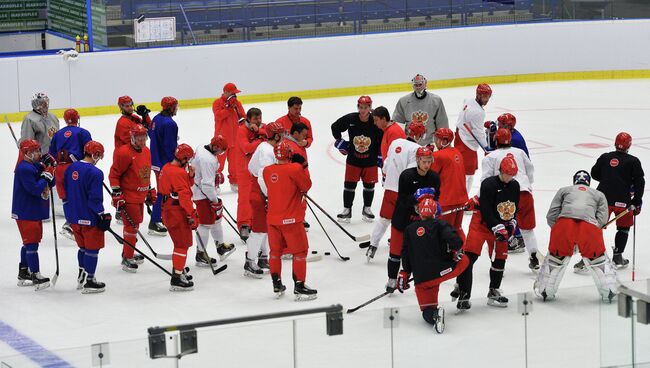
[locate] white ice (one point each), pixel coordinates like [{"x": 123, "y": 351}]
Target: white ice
[{"x": 567, "y": 126}]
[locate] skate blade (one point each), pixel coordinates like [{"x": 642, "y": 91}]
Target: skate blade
[
  {"x": 369, "y": 259},
  {"x": 80, "y": 286},
  {"x": 203, "y": 265},
  {"x": 180, "y": 288},
  {"x": 460, "y": 311},
  {"x": 279, "y": 294},
  {"x": 42, "y": 286},
  {"x": 23, "y": 283},
  {"x": 139, "y": 261},
  {"x": 343, "y": 221},
  {"x": 440, "y": 322},
  {"x": 129, "y": 270},
  {"x": 223, "y": 257},
  {"x": 497, "y": 304},
  {"x": 156, "y": 233},
  {"x": 92, "y": 291},
  {"x": 67, "y": 234},
  {"x": 266, "y": 271},
  {"x": 620, "y": 267},
  {"x": 253, "y": 275},
  {"x": 368, "y": 219},
  {"x": 305, "y": 298}
]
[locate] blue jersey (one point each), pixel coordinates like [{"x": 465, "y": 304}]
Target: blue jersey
[
  {"x": 164, "y": 139},
  {"x": 519, "y": 142},
  {"x": 84, "y": 198},
  {"x": 27, "y": 202},
  {"x": 67, "y": 144},
  {"x": 517, "y": 139}
]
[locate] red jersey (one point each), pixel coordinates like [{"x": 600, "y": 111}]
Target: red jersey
[
  {"x": 391, "y": 133},
  {"x": 287, "y": 122},
  {"x": 247, "y": 142},
  {"x": 131, "y": 171},
  {"x": 226, "y": 119},
  {"x": 448, "y": 163},
  {"x": 175, "y": 181},
  {"x": 295, "y": 147},
  {"x": 123, "y": 129},
  {"x": 285, "y": 185}
]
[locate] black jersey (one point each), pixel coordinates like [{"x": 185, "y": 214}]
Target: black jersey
[
  {"x": 410, "y": 181},
  {"x": 619, "y": 173},
  {"x": 428, "y": 249},
  {"x": 499, "y": 201},
  {"x": 365, "y": 139}
]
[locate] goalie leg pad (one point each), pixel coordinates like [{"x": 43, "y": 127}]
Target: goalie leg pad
[
  {"x": 604, "y": 274},
  {"x": 550, "y": 275}
]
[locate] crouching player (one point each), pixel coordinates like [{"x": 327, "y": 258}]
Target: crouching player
[
  {"x": 431, "y": 252},
  {"x": 576, "y": 216}
]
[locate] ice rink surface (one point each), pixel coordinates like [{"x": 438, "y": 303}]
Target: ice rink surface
[{"x": 567, "y": 125}]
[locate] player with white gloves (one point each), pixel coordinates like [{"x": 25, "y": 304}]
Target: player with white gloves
[
  {"x": 525, "y": 178},
  {"x": 576, "y": 217}
]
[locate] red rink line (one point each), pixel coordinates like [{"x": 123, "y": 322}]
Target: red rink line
[
  {"x": 329, "y": 154},
  {"x": 540, "y": 143},
  {"x": 637, "y": 145},
  {"x": 570, "y": 151}
]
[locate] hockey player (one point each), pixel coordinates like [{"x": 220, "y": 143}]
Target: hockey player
[
  {"x": 576, "y": 217},
  {"x": 432, "y": 253},
  {"x": 620, "y": 174},
  {"x": 29, "y": 207},
  {"x": 164, "y": 139},
  {"x": 525, "y": 177},
  {"x": 493, "y": 221},
  {"x": 293, "y": 116},
  {"x": 363, "y": 156},
  {"x": 415, "y": 184},
  {"x": 178, "y": 212},
  {"x": 208, "y": 205},
  {"x": 448, "y": 163},
  {"x": 421, "y": 106},
  {"x": 249, "y": 137},
  {"x": 400, "y": 156},
  {"x": 258, "y": 242},
  {"x": 296, "y": 138},
  {"x": 128, "y": 120},
  {"x": 67, "y": 146},
  {"x": 507, "y": 121},
  {"x": 130, "y": 180},
  {"x": 471, "y": 117},
  {"x": 284, "y": 184},
  {"x": 228, "y": 115},
  {"x": 84, "y": 210},
  {"x": 391, "y": 131}
]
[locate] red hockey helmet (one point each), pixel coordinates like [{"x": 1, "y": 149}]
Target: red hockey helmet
[
  {"x": 168, "y": 102},
  {"x": 427, "y": 208},
  {"x": 445, "y": 133},
  {"x": 623, "y": 141},
  {"x": 124, "y": 100},
  {"x": 483, "y": 89},
  {"x": 416, "y": 129},
  {"x": 219, "y": 142},
  {"x": 29, "y": 145},
  {"x": 93, "y": 148},
  {"x": 183, "y": 152},
  {"x": 507, "y": 120},
  {"x": 138, "y": 130},
  {"x": 423, "y": 152},
  {"x": 71, "y": 117},
  {"x": 274, "y": 128},
  {"x": 364, "y": 100},
  {"x": 283, "y": 151},
  {"x": 508, "y": 165},
  {"x": 503, "y": 137}
]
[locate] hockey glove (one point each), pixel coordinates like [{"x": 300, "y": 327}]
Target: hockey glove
[
  {"x": 380, "y": 161},
  {"x": 117, "y": 199},
  {"x": 231, "y": 101},
  {"x": 142, "y": 111},
  {"x": 151, "y": 198},
  {"x": 193, "y": 220},
  {"x": 636, "y": 209},
  {"x": 219, "y": 179},
  {"x": 391, "y": 285},
  {"x": 104, "y": 221},
  {"x": 424, "y": 193},
  {"x": 472, "y": 204},
  {"x": 500, "y": 233},
  {"x": 217, "y": 207},
  {"x": 48, "y": 175},
  {"x": 297, "y": 158},
  {"x": 403, "y": 281},
  {"x": 48, "y": 160},
  {"x": 342, "y": 146},
  {"x": 458, "y": 255}
]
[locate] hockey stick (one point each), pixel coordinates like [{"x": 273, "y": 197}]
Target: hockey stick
[
  {"x": 205, "y": 250},
  {"x": 326, "y": 234},
  {"x": 365, "y": 239},
  {"x": 165, "y": 257},
  {"x": 633, "y": 247},
  {"x": 11, "y": 130},
  {"x": 56, "y": 243},
  {"x": 122, "y": 241},
  {"x": 371, "y": 300},
  {"x": 231, "y": 223},
  {"x": 616, "y": 218},
  {"x": 454, "y": 210},
  {"x": 473, "y": 136}
]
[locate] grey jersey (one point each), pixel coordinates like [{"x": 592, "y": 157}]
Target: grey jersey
[
  {"x": 579, "y": 202},
  {"x": 430, "y": 110},
  {"x": 39, "y": 127}
]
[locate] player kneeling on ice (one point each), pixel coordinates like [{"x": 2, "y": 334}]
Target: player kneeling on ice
[
  {"x": 84, "y": 211},
  {"x": 431, "y": 252},
  {"x": 284, "y": 184},
  {"x": 178, "y": 213},
  {"x": 576, "y": 216},
  {"x": 30, "y": 206}
]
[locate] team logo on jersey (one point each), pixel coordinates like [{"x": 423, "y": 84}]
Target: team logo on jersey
[
  {"x": 420, "y": 231},
  {"x": 613, "y": 162},
  {"x": 361, "y": 143},
  {"x": 75, "y": 175},
  {"x": 457, "y": 158},
  {"x": 50, "y": 132},
  {"x": 274, "y": 178},
  {"x": 398, "y": 149},
  {"x": 420, "y": 116},
  {"x": 67, "y": 134},
  {"x": 145, "y": 174},
  {"x": 506, "y": 210}
]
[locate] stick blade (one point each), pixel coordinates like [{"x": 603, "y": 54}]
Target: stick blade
[
  {"x": 165, "y": 257},
  {"x": 364, "y": 238},
  {"x": 54, "y": 278},
  {"x": 364, "y": 245},
  {"x": 220, "y": 269}
]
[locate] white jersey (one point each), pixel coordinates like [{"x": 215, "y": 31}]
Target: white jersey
[
  {"x": 262, "y": 157},
  {"x": 473, "y": 115},
  {"x": 525, "y": 168},
  {"x": 401, "y": 156},
  {"x": 205, "y": 165}
]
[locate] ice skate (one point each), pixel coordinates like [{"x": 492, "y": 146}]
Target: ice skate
[
  {"x": 533, "y": 262},
  {"x": 367, "y": 214},
  {"x": 202, "y": 260},
  {"x": 463, "y": 306},
  {"x": 66, "y": 231},
  {"x": 439, "y": 318},
  {"x": 93, "y": 286},
  {"x": 139, "y": 259},
  {"x": 179, "y": 282},
  {"x": 129, "y": 265},
  {"x": 619, "y": 261},
  {"x": 244, "y": 232},
  {"x": 455, "y": 293},
  {"x": 39, "y": 281},
  {"x": 370, "y": 253},
  {"x": 516, "y": 245},
  {"x": 306, "y": 225},
  {"x": 278, "y": 288},
  {"x": 345, "y": 216},
  {"x": 224, "y": 250},
  {"x": 81, "y": 278},
  {"x": 263, "y": 263},
  {"x": 24, "y": 276},
  {"x": 303, "y": 292},
  {"x": 580, "y": 268},
  {"x": 251, "y": 269},
  {"x": 157, "y": 229},
  {"x": 495, "y": 299}
]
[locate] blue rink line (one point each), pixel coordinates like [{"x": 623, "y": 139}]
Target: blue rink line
[{"x": 30, "y": 348}]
